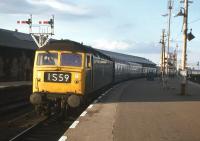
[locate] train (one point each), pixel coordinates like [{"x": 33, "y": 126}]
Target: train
[{"x": 67, "y": 73}]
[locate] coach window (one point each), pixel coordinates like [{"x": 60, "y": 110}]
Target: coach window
[{"x": 88, "y": 61}]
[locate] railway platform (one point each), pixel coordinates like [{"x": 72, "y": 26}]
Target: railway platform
[
  {"x": 140, "y": 110},
  {"x": 12, "y": 92},
  {"x": 14, "y": 84}
]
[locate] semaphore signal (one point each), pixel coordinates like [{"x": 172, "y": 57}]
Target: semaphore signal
[
  {"x": 29, "y": 21},
  {"x": 50, "y": 22},
  {"x": 42, "y": 36}
]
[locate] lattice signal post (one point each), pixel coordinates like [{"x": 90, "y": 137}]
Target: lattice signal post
[{"x": 45, "y": 30}]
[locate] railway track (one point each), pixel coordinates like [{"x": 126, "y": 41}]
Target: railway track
[
  {"x": 48, "y": 128},
  {"x": 23, "y": 133},
  {"x": 30, "y": 127},
  {"x": 14, "y": 98},
  {"x": 8, "y": 108}
]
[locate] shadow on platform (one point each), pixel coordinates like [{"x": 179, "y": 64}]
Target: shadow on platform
[{"x": 151, "y": 91}]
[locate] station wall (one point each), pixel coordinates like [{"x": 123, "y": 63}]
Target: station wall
[{"x": 16, "y": 64}]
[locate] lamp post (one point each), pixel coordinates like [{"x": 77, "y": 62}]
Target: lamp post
[
  {"x": 170, "y": 6},
  {"x": 162, "y": 41},
  {"x": 184, "y": 49},
  {"x": 185, "y": 28}
]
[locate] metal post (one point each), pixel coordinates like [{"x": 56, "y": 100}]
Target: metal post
[
  {"x": 163, "y": 53},
  {"x": 185, "y": 23},
  {"x": 42, "y": 37},
  {"x": 176, "y": 58},
  {"x": 161, "y": 66},
  {"x": 185, "y": 28},
  {"x": 163, "y": 63},
  {"x": 30, "y": 24},
  {"x": 169, "y": 33}
]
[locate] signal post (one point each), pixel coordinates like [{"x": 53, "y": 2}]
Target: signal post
[{"x": 42, "y": 36}]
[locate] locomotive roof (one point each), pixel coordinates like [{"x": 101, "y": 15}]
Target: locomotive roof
[{"x": 68, "y": 45}]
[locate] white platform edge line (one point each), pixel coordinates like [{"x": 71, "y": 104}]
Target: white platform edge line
[
  {"x": 63, "y": 138},
  {"x": 89, "y": 107},
  {"x": 109, "y": 90},
  {"x": 74, "y": 124},
  {"x": 83, "y": 114},
  {"x": 95, "y": 101},
  {"x": 103, "y": 94}
]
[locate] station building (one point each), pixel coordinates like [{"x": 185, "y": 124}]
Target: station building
[{"x": 16, "y": 56}]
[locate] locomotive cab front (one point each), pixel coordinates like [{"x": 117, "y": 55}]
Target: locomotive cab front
[{"x": 58, "y": 74}]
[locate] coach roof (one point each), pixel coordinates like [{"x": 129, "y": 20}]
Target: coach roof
[{"x": 129, "y": 58}]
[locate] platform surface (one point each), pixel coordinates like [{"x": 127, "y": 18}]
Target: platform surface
[
  {"x": 141, "y": 110},
  {"x": 14, "y": 84}
]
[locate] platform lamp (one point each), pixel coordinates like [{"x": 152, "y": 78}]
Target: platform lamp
[
  {"x": 180, "y": 13},
  {"x": 190, "y": 36}
]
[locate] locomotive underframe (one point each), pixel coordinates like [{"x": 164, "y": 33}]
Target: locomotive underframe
[{"x": 56, "y": 100}]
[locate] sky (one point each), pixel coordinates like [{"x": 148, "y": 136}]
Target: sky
[{"x": 124, "y": 26}]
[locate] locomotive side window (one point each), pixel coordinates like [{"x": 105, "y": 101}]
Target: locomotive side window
[
  {"x": 88, "y": 61},
  {"x": 68, "y": 59},
  {"x": 47, "y": 59}
]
